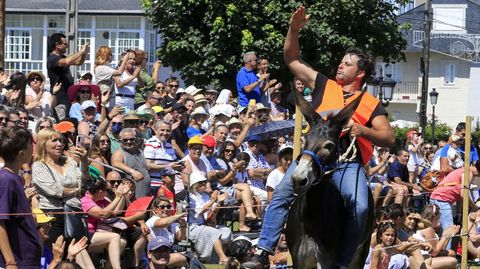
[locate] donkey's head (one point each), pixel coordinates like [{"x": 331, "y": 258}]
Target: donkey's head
[{"x": 320, "y": 146}]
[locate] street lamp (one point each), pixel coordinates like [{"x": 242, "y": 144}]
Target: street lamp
[
  {"x": 383, "y": 87},
  {"x": 433, "y": 100}
]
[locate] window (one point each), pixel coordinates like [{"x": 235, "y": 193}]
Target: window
[
  {"x": 449, "y": 18},
  {"x": 449, "y": 74},
  {"x": 18, "y": 45}
]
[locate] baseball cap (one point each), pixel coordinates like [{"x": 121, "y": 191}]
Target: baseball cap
[
  {"x": 252, "y": 138},
  {"x": 209, "y": 141},
  {"x": 195, "y": 140},
  {"x": 167, "y": 172},
  {"x": 158, "y": 242},
  {"x": 41, "y": 217},
  {"x": 87, "y": 104}
]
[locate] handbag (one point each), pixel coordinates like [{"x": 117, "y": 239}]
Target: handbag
[
  {"x": 112, "y": 225},
  {"x": 75, "y": 223},
  {"x": 431, "y": 180}
]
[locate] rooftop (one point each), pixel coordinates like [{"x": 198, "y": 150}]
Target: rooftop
[{"x": 84, "y": 6}]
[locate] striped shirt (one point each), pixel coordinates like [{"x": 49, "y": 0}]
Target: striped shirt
[{"x": 160, "y": 153}]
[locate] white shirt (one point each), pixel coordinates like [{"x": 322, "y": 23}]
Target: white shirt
[
  {"x": 274, "y": 178},
  {"x": 156, "y": 231}
]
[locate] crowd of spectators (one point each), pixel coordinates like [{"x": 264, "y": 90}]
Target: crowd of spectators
[{"x": 155, "y": 167}]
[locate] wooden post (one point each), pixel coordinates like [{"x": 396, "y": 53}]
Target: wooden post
[
  {"x": 466, "y": 191},
  {"x": 2, "y": 33},
  {"x": 297, "y": 132}
]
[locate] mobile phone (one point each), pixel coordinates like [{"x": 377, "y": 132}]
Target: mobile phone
[
  {"x": 80, "y": 140},
  {"x": 126, "y": 109},
  {"x": 252, "y": 102}
]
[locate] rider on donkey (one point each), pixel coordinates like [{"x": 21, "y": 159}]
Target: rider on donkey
[{"x": 369, "y": 125}]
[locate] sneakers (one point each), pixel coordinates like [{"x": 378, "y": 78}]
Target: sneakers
[{"x": 258, "y": 260}]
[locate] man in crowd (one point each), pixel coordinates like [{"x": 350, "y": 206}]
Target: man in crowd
[
  {"x": 58, "y": 66},
  {"x": 248, "y": 82},
  {"x": 154, "y": 98},
  {"x": 355, "y": 67},
  {"x": 19, "y": 241},
  {"x": 159, "y": 252},
  {"x": 171, "y": 97}
]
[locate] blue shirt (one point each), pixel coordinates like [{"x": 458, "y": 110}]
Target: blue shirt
[
  {"x": 246, "y": 77},
  {"x": 461, "y": 150},
  {"x": 398, "y": 170}
]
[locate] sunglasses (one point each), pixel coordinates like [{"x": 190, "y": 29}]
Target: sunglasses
[
  {"x": 164, "y": 206},
  {"x": 106, "y": 141},
  {"x": 428, "y": 148},
  {"x": 36, "y": 79},
  {"x": 174, "y": 85},
  {"x": 84, "y": 91},
  {"x": 159, "y": 88},
  {"x": 43, "y": 127},
  {"x": 127, "y": 140},
  {"x": 3, "y": 119},
  {"x": 143, "y": 121},
  {"x": 229, "y": 150}
]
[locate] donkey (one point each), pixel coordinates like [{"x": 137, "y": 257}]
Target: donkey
[{"x": 315, "y": 220}]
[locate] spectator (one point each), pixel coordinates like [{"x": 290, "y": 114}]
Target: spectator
[
  {"x": 444, "y": 160},
  {"x": 211, "y": 96},
  {"x": 171, "y": 97},
  {"x": 415, "y": 142},
  {"x": 42, "y": 123},
  {"x": 160, "y": 154},
  {"x": 103, "y": 72},
  {"x": 197, "y": 118},
  {"x": 100, "y": 154},
  {"x": 38, "y": 101},
  {"x": 58, "y": 66},
  {"x": 179, "y": 134},
  {"x": 450, "y": 192},
  {"x": 159, "y": 253},
  {"x": 148, "y": 81},
  {"x": 398, "y": 176},
  {"x": 297, "y": 85},
  {"x": 285, "y": 154},
  {"x": 258, "y": 168},
  {"x": 153, "y": 99},
  {"x": 126, "y": 83},
  {"x": 57, "y": 179},
  {"x": 266, "y": 85},
  {"x": 79, "y": 93},
  {"x": 132, "y": 161},
  {"x": 205, "y": 238},
  {"x": 16, "y": 90},
  {"x": 160, "y": 87},
  {"x": 275, "y": 106},
  {"x": 377, "y": 171},
  {"x": 170, "y": 226},
  {"x": 98, "y": 208},
  {"x": 20, "y": 242},
  {"x": 224, "y": 97},
  {"x": 193, "y": 162},
  {"x": 248, "y": 84},
  {"x": 87, "y": 127},
  {"x": 4, "y": 117}
]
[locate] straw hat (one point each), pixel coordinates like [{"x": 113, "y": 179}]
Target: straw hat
[
  {"x": 199, "y": 111},
  {"x": 233, "y": 121},
  {"x": 199, "y": 98}
]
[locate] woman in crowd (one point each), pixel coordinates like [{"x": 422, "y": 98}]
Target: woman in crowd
[
  {"x": 377, "y": 171},
  {"x": 206, "y": 238},
  {"x": 226, "y": 155},
  {"x": 78, "y": 94},
  {"x": 99, "y": 208},
  {"x": 42, "y": 123},
  {"x": 285, "y": 159},
  {"x": 58, "y": 179},
  {"x": 100, "y": 153},
  {"x": 171, "y": 226},
  {"x": 126, "y": 83},
  {"x": 104, "y": 74},
  {"x": 38, "y": 101},
  {"x": 439, "y": 253},
  {"x": 197, "y": 118},
  {"x": 15, "y": 95}
]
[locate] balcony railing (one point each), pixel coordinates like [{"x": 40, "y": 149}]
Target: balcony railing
[
  {"x": 23, "y": 66},
  {"x": 407, "y": 91}
]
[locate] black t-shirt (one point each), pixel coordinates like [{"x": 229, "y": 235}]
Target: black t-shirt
[
  {"x": 60, "y": 74},
  {"x": 180, "y": 136},
  {"x": 398, "y": 170},
  {"x": 317, "y": 96}
]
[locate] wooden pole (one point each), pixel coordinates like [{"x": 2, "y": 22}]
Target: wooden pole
[
  {"x": 297, "y": 132},
  {"x": 2, "y": 33},
  {"x": 466, "y": 191}
]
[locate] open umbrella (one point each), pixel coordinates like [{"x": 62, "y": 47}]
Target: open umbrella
[
  {"x": 139, "y": 205},
  {"x": 273, "y": 129}
]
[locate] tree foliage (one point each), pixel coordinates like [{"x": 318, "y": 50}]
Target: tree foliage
[{"x": 205, "y": 39}]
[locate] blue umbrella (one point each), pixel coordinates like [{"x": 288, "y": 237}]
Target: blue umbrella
[{"x": 273, "y": 129}]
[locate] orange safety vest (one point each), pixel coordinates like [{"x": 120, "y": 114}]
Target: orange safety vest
[{"x": 333, "y": 100}]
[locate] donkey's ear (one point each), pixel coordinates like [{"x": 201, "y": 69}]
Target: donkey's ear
[
  {"x": 344, "y": 116},
  {"x": 306, "y": 109}
]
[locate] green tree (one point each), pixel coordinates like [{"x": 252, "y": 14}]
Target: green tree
[{"x": 205, "y": 39}]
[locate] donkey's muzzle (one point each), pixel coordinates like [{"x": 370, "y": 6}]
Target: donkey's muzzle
[{"x": 300, "y": 176}]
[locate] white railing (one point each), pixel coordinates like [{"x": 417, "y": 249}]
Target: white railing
[{"x": 12, "y": 66}]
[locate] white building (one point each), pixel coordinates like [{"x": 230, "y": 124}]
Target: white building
[
  {"x": 454, "y": 62},
  {"x": 119, "y": 24}
]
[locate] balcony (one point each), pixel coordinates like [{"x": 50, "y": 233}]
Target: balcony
[{"x": 407, "y": 92}]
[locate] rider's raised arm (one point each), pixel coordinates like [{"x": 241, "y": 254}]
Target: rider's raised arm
[{"x": 291, "y": 49}]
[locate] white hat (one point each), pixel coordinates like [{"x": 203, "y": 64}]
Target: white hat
[
  {"x": 234, "y": 121},
  {"x": 260, "y": 106},
  {"x": 88, "y": 104},
  {"x": 192, "y": 90},
  {"x": 223, "y": 109},
  {"x": 196, "y": 177},
  {"x": 199, "y": 98},
  {"x": 199, "y": 111},
  {"x": 181, "y": 90},
  {"x": 284, "y": 147}
]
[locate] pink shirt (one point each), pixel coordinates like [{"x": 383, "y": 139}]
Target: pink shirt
[
  {"x": 450, "y": 189},
  {"x": 87, "y": 204}
]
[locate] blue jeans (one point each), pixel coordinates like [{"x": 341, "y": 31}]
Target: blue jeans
[
  {"x": 446, "y": 216},
  {"x": 351, "y": 181}
]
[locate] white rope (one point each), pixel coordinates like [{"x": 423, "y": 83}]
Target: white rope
[{"x": 351, "y": 149}]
